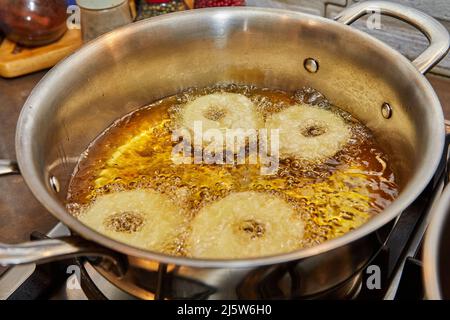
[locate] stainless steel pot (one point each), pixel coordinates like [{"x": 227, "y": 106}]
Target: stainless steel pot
[
  {"x": 137, "y": 64},
  {"x": 436, "y": 258}
]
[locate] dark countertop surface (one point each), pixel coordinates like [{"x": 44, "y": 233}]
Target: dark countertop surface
[{"x": 20, "y": 212}]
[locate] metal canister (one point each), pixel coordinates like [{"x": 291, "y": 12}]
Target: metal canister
[{"x": 101, "y": 16}]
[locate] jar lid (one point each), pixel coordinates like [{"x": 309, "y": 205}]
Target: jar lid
[{"x": 99, "y": 4}]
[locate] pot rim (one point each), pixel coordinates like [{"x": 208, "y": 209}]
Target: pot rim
[{"x": 24, "y": 148}]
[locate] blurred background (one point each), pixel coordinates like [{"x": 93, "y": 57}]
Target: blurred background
[{"x": 28, "y": 24}]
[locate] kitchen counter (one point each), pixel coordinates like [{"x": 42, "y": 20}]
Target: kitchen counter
[
  {"x": 20, "y": 212},
  {"x": 442, "y": 87}
]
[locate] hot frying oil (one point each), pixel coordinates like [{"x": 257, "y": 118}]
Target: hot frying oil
[{"x": 332, "y": 197}]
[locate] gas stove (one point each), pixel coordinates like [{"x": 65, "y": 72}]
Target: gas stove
[
  {"x": 394, "y": 273},
  {"x": 71, "y": 279}
]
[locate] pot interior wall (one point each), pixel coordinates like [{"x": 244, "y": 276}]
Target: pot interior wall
[{"x": 137, "y": 65}]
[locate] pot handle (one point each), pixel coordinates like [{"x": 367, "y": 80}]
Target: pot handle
[
  {"x": 8, "y": 167},
  {"x": 435, "y": 32},
  {"x": 49, "y": 250}
]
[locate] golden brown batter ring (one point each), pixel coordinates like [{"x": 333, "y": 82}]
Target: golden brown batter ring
[
  {"x": 243, "y": 225},
  {"x": 309, "y": 133},
  {"x": 222, "y": 111},
  {"x": 141, "y": 218}
]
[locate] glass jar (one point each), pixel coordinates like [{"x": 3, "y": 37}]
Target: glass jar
[{"x": 33, "y": 22}]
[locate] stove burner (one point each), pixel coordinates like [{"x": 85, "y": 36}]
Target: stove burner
[{"x": 398, "y": 260}]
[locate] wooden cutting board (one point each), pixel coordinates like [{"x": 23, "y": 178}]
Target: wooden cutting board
[{"x": 16, "y": 60}]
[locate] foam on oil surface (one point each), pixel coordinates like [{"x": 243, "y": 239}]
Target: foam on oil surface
[{"x": 332, "y": 197}]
